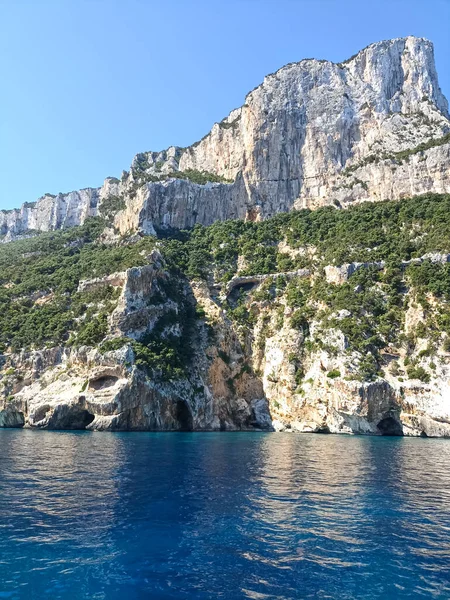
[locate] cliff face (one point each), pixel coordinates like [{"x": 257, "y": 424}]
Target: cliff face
[
  {"x": 313, "y": 133},
  {"x": 238, "y": 377},
  {"x": 107, "y": 389},
  {"x": 49, "y": 213},
  {"x": 309, "y": 121},
  {"x": 326, "y": 321}
]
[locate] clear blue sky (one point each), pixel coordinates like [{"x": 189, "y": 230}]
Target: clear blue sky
[{"x": 88, "y": 84}]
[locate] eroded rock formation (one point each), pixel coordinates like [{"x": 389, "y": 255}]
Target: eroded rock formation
[
  {"x": 238, "y": 378},
  {"x": 313, "y": 133},
  {"x": 97, "y": 389}
]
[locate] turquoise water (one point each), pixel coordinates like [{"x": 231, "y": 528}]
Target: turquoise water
[{"x": 191, "y": 515}]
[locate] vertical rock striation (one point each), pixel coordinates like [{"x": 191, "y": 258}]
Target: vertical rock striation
[{"x": 313, "y": 133}]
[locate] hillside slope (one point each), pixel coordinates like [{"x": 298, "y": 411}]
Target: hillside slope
[{"x": 325, "y": 320}]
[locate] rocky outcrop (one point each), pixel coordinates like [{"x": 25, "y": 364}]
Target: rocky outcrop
[
  {"x": 11, "y": 417},
  {"x": 270, "y": 375},
  {"x": 49, "y": 213},
  {"x": 190, "y": 355},
  {"x": 340, "y": 274},
  {"x": 110, "y": 389},
  {"x": 88, "y": 390},
  {"x": 328, "y": 398},
  {"x": 314, "y": 133}
]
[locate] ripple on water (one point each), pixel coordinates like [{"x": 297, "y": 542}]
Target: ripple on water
[{"x": 204, "y": 516}]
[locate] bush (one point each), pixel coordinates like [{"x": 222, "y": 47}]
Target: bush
[
  {"x": 111, "y": 206},
  {"x": 333, "y": 374},
  {"x": 395, "y": 368},
  {"x": 93, "y": 331},
  {"x": 200, "y": 177},
  {"x": 415, "y": 372}
]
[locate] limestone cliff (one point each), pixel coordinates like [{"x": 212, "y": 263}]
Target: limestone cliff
[
  {"x": 104, "y": 388},
  {"x": 254, "y": 360},
  {"x": 371, "y": 128},
  {"x": 239, "y": 378},
  {"x": 311, "y": 321}
]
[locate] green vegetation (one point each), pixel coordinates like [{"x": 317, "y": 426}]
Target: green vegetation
[
  {"x": 39, "y": 276},
  {"x": 391, "y": 231},
  {"x": 374, "y": 300},
  {"x": 164, "y": 353},
  {"x": 432, "y": 278},
  {"x": 417, "y": 372},
  {"x": 200, "y": 177},
  {"x": 398, "y": 156},
  {"x": 40, "y": 305},
  {"x": 111, "y": 206},
  {"x": 142, "y": 177},
  {"x": 224, "y": 124},
  {"x": 333, "y": 374},
  {"x": 433, "y": 143}
]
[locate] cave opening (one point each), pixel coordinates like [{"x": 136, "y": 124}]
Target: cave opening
[
  {"x": 102, "y": 383},
  {"x": 86, "y": 418},
  {"x": 389, "y": 426},
  {"x": 323, "y": 429},
  {"x": 241, "y": 288},
  {"x": 184, "y": 416},
  {"x": 74, "y": 419}
]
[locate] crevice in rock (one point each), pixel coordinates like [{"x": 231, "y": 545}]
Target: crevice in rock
[{"x": 87, "y": 418}]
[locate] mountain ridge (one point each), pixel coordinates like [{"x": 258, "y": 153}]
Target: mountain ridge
[
  {"x": 249, "y": 310},
  {"x": 290, "y": 145}
]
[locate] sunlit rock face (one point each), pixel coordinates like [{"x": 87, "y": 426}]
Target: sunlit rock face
[
  {"x": 50, "y": 213},
  {"x": 313, "y": 133},
  {"x": 89, "y": 388},
  {"x": 310, "y": 120},
  {"x": 238, "y": 378}
]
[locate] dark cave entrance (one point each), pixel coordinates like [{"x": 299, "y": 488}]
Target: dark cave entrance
[
  {"x": 389, "y": 426},
  {"x": 241, "y": 288},
  {"x": 102, "y": 383},
  {"x": 323, "y": 429},
  {"x": 76, "y": 419},
  {"x": 86, "y": 418},
  {"x": 184, "y": 416}
]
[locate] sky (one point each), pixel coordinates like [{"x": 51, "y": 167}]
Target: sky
[{"x": 86, "y": 84}]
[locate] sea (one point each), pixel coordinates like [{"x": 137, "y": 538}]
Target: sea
[{"x": 127, "y": 516}]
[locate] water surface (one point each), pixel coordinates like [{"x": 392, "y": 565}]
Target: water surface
[{"x": 206, "y": 516}]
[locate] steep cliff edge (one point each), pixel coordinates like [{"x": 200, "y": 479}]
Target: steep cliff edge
[
  {"x": 151, "y": 363},
  {"x": 201, "y": 292},
  {"x": 314, "y": 133},
  {"x": 311, "y": 321}
]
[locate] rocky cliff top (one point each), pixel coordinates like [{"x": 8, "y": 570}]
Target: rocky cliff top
[{"x": 314, "y": 132}]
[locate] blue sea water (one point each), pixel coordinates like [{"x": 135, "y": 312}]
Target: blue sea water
[{"x": 195, "y": 515}]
